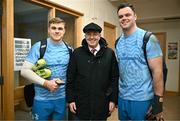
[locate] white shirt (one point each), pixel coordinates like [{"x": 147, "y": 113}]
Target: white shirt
[{"x": 97, "y": 49}]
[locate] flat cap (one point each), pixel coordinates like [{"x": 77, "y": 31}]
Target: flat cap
[{"x": 92, "y": 27}]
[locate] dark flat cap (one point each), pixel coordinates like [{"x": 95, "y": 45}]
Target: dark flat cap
[{"x": 92, "y": 27}]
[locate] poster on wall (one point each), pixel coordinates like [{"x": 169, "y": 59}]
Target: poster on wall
[
  {"x": 21, "y": 49},
  {"x": 172, "y": 50}
]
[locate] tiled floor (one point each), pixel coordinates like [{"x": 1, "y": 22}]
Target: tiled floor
[
  {"x": 171, "y": 110},
  {"x": 114, "y": 116}
]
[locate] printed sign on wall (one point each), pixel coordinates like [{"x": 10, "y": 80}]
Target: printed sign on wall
[{"x": 21, "y": 49}]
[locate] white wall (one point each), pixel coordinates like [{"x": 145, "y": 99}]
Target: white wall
[
  {"x": 153, "y": 9},
  {"x": 98, "y": 11},
  {"x": 172, "y": 30}
]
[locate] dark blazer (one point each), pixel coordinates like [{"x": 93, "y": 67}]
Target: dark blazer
[{"x": 92, "y": 81}]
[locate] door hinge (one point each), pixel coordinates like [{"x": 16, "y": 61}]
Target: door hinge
[{"x": 1, "y": 80}]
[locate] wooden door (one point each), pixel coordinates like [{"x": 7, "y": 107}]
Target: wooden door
[
  {"x": 110, "y": 34},
  {"x": 161, "y": 36}
]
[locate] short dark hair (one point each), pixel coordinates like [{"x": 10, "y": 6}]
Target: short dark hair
[
  {"x": 56, "y": 20},
  {"x": 123, "y": 5}
]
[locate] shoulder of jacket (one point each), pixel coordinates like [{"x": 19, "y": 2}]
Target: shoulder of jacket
[
  {"x": 79, "y": 49},
  {"x": 109, "y": 49}
]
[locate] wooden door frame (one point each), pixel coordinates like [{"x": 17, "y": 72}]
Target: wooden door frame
[
  {"x": 0, "y": 58},
  {"x": 54, "y": 6},
  {"x": 8, "y": 60},
  {"x": 164, "y": 49},
  {"x": 8, "y": 48}
]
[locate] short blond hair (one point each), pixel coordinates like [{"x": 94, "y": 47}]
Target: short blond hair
[{"x": 56, "y": 20}]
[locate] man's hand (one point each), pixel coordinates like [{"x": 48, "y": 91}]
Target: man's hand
[
  {"x": 51, "y": 85},
  {"x": 157, "y": 117},
  {"x": 72, "y": 107},
  {"x": 111, "y": 107}
]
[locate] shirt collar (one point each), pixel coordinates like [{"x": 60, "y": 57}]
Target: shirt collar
[{"x": 97, "y": 48}]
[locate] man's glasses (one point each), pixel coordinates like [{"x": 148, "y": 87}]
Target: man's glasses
[{"x": 94, "y": 35}]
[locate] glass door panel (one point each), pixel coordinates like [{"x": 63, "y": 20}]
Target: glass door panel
[
  {"x": 69, "y": 36},
  {"x": 30, "y": 22}
]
